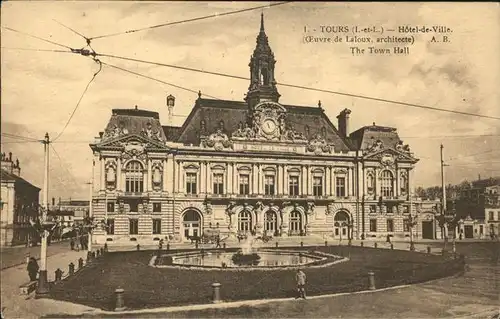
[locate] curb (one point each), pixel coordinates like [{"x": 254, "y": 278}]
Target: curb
[{"x": 233, "y": 304}]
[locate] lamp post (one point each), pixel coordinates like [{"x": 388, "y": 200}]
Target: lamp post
[
  {"x": 412, "y": 222},
  {"x": 43, "y": 285}
]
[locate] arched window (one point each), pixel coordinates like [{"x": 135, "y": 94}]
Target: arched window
[
  {"x": 387, "y": 183},
  {"x": 134, "y": 177},
  {"x": 245, "y": 221}
]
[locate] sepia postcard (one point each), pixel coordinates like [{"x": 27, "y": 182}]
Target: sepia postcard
[{"x": 189, "y": 159}]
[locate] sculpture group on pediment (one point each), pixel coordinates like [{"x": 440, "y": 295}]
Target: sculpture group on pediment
[
  {"x": 217, "y": 140},
  {"x": 403, "y": 148},
  {"x": 377, "y": 145},
  {"x": 150, "y": 133},
  {"x": 319, "y": 145},
  {"x": 244, "y": 131},
  {"x": 116, "y": 131}
]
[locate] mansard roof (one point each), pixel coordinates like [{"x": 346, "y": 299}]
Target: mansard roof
[
  {"x": 363, "y": 138},
  {"x": 134, "y": 122},
  {"x": 300, "y": 118}
]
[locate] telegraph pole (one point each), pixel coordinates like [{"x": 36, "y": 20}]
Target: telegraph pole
[
  {"x": 43, "y": 285},
  {"x": 89, "y": 238},
  {"x": 443, "y": 206}
]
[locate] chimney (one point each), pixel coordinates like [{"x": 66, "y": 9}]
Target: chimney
[
  {"x": 170, "y": 106},
  {"x": 343, "y": 118},
  {"x": 7, "y": 163},
  {"x": 16, "y": 168}
]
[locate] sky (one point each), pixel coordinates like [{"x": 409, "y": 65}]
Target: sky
[{"x": 40, "y": 89}]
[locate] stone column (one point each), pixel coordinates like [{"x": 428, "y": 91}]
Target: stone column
[
  {"x": 331, "y": 177},
  {"x": 309, "y": 180},
  {"x": 103, "y": 173},
  {"x": 229, "y": 174},
  {"x": 350, "y": 178},
  {"x": 279, "y": 180},
  {"x": 303, "y": 181},
  {"x": 209, "y": 180},
  {"x": 410, "y": 183},
  {"x": 179, "y": 181},
  {"x": 327, "y": 181},
  {"x": 397, "y": 191},
  {"x": 119, "y": 186},
  {"x": 254, "y": 179},
  {"x": 260, "y": 180},
  {"x": 202, "y": 175},
  {"x": 286, "y": 183},
  {"x": 165, "y": 176},
  {"x": 377, "y": 182},
  {"x": 235, "y": 180},
  {"x": 148, "y": 176}
]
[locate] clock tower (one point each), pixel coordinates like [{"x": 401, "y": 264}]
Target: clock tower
[{"x": 262, "y": 83}]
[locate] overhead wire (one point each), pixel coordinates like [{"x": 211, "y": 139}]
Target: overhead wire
[
  {"x": 302, "y": 87},
  {"x": 36, "y": 37},
  {"x": 37, "y": 50},
  {"x": 62, "y": 164},
  {"x": 79, "y": 100},
  {"x": 157, "y": 80},
  {"x": 20, "y": 137},
  {"x": 189, "y": 20},
  {"x": 473, "y": 154}
]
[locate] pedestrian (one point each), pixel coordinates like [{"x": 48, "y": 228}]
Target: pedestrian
[
  {"x": 217, "y": 241},
  {"x": 82, "y": 242},
  {"x": 388, "y": 240},
  {"x": 72, "y": 244},
  {"x": 301, "y": 284},
  {"x": 32, "y": 269}
]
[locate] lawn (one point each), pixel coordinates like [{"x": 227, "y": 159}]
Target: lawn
[{"x": 149, "y": 287}]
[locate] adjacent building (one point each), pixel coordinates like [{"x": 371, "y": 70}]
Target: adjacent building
[
  {"x": 18, "y": 204},
  {"x": 256, "y": 165}
]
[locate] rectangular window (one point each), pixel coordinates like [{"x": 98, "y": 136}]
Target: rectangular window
[
  {"x": 110, "y": 226},
  {"x": 219, "y": 184},
  {"x": 294, "y": 185},
  {"x": 111, "y": 207},
  {"x": 244, "y": 184},
  {"x": 318, "y": 186},
  {"x": 191, "y": 183},
  {"x": 390, "y": 225},
  {"x": 406, "y": 225},
  {"x": 156, "y": 226},
  {"x": 269, "y": 185},
  {"x": 373, "y": 225},
  {"x": 491, "y": 216},
  {"x": 156, "y": 207},
  {"x": 133, "y": 226},
  {"x": 340, "y": 186}
]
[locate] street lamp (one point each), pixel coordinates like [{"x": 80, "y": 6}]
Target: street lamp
[{"x": 412, "y": 222}]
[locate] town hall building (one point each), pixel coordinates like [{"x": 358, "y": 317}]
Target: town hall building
[{"x": 250, "y": 166}]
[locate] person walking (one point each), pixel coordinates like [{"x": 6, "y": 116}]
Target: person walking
[
  {"x": 32, "y": 269},
  {"x": 72, "y": 244},
  {"x": 301, "y": 284},
  {"x": 217, "y": 241}
]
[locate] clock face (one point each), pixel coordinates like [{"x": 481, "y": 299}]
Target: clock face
[{"x": 269, "y": 126}]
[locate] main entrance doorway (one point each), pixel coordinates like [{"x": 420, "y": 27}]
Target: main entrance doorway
[
  {"x": 340, "y": 225},
  {"x": 427, "y": 230},
  {"x": 191, "y": 224},
  {"x": 469, "y": 231}
]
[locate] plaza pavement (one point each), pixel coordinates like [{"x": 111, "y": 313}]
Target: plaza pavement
[{"x": 473, "y": 295}]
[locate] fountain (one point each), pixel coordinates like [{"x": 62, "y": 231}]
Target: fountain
[{"x": 246, "y": 256}]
